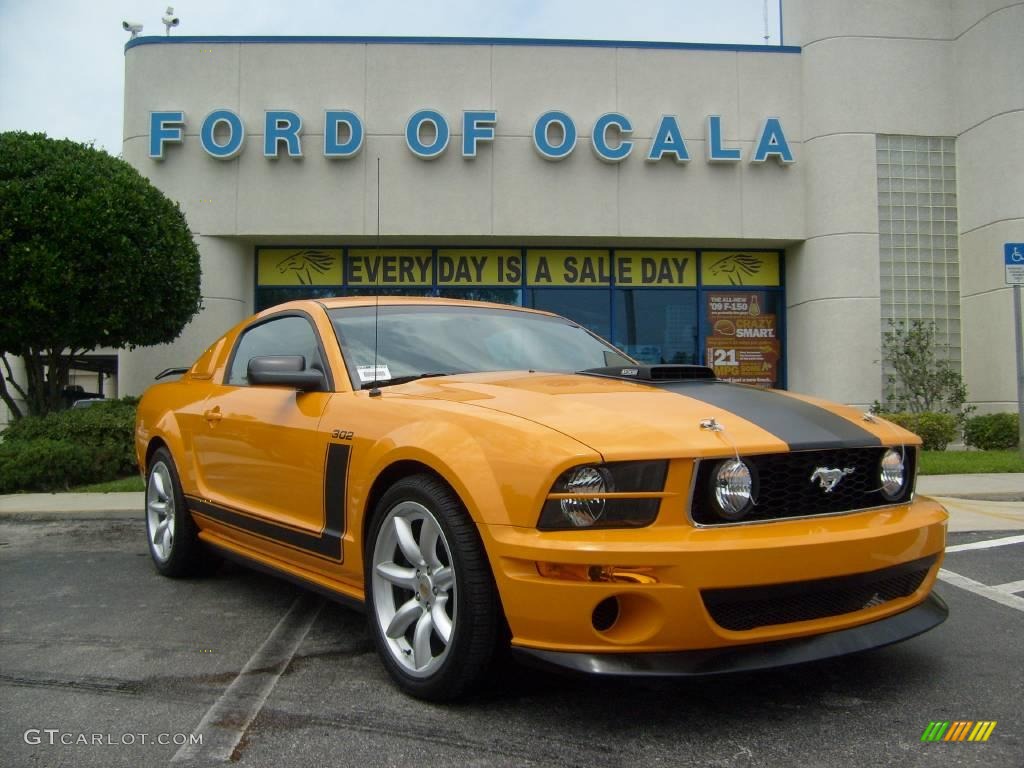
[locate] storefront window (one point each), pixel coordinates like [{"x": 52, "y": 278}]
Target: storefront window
[
  {"x": 588, "y": 307},
  {"x": 269, "y": 297},
  {"x": 657, "y": 325},
  {"x": 513, "y": 296}
]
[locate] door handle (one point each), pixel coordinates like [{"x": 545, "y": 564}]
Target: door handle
[{"x": 213, "y": 415}]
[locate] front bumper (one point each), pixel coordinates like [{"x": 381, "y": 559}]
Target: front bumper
[
  {"x": 673, "y": 569},
  {"x": 748, "y": 658}
]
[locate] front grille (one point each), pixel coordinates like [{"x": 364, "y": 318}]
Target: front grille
[
  {"x": 783, "y": 487},
  {"x": 746, "y": 608}
]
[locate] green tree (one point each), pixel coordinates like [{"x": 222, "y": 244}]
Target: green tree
[
  {"x": 921, "y": 379},
  {"x": 91, "y": 255}
]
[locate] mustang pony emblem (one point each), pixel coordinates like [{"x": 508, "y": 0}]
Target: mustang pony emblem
[
  {"x": 305, "y": 263},
  {"x": 829, "y": 478},
  {"x": 736, "y": 266}
]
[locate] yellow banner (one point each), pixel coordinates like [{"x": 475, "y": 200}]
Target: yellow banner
[
  {"x": 299, "y": 266},
  {"x": 474, "y": 266},
  {"x": 655, "y": 269},
  {"x": 739, "y": 268},
  {"x": 389, "y": 266},
  {"x": 573, "y": 268}
]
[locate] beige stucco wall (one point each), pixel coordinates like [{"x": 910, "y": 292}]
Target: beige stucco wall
[
  {"x": 508, "y": 193},
  {"x": 919, "y": 67},
  {"x": 988, "y": 88}
]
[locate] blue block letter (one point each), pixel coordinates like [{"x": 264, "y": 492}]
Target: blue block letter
[
  {"x": 716, "y": 152},
  {"x": 282, "y": 125},
  {"x": 668, "y": 140},
  {"x": 334, "y": 149},
  {"x": 772, "y": 143},
  {"x": 546, "y": 149},
  {"x": 236, "y": 134},
  {"x": 477, "y": 126},
  {"x": 412, "y": 134},
  {"x": 605, "y": 151},
  {"x": 164, "y": 127}
]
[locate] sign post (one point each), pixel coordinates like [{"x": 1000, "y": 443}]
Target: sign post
[{"x": 1013, "y": 259}]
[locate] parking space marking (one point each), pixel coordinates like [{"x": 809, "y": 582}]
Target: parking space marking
[
  {"x": 992, "y": 593},
  {"x": 1011, "y": 586},
  {"x": 224, "y": 724},
  {"x": 987, "y": 544}
]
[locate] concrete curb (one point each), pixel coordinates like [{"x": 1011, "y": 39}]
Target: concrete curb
[{"x": 85, "y": 505}]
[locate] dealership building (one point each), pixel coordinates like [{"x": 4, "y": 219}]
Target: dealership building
[{"x": 767, "y": 210}]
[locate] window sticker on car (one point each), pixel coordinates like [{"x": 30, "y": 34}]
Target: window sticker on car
[{"x": 366, "y": 373}]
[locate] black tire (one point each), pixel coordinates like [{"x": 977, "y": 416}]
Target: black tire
[
  {"x": 183, "y": 555},
  {"x": 437, "y": 670}
]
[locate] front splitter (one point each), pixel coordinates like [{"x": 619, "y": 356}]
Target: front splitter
[{"x": 748, "y": 658}]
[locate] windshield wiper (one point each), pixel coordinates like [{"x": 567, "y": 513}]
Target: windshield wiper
[{"x": 403, "y": 379}]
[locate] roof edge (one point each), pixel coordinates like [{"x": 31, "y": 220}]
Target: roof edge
[{"x": 509, "y": 41}]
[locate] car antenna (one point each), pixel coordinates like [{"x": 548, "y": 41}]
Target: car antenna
[{"x": 375, "y": 390}]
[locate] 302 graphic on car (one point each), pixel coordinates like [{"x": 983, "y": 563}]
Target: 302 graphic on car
[{"x": 477, "y": 475}]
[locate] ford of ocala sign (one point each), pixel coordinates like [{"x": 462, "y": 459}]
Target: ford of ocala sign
[{"x": 427, "y": 134}]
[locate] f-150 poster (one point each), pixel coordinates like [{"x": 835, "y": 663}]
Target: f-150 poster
[{"x": 742, "y": 343}]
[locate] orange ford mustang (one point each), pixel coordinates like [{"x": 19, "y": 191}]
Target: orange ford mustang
[{"x": 475, "y": 474}]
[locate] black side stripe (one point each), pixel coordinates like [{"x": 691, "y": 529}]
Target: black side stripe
[
  {"x": 326, "y": 544},
  {"x": 801, "y": 425}
]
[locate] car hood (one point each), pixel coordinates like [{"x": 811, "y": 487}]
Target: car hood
[{"x": 647, "y": 419}]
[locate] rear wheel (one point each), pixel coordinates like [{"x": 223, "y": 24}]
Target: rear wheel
[
  {"x": 170, "y": 530},
  {"x": 431, "y": 597}
]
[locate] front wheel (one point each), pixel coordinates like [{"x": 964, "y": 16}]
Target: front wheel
[{"x": 430, "y": 593}]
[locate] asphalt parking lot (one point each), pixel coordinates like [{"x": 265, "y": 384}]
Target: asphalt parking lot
[{"x": 96, "y": 648}]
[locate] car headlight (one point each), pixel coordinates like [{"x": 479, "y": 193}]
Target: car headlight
[
  {"x": 581, "y": 496},
  {"x": 732, "y": 488},
  {"x": 893, "y": 474}
]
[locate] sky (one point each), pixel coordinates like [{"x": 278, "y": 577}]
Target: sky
[{"x": 62, "y": 61}]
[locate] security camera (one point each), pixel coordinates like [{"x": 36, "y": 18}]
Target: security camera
[
  {"x": 170, "y": 20},
  {"x": 132, "y": 26}
]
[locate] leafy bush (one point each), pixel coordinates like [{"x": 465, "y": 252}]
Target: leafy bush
[
  {"x": 67, "y": 448},
  {"x": 919, "y": 377},
  {"x": 52, "y": 465},
  {"x": 936, "y": 430},
  {"x": 997, "y": 431}
]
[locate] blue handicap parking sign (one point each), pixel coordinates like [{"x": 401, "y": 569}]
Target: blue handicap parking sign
[{"x": 1013, "y": 258}]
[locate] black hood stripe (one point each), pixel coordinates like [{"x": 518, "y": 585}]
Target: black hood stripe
[{"x": 801, "y": 425}]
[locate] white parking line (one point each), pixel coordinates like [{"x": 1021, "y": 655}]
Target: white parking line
[
  {"x": 224, "y": 724},
  {"x": 987, "y": 544},
  {"x": 1011, "y": 586},
  {"x": 992, "y": 593}
]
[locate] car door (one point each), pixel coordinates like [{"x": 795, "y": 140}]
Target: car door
[{"x": 259, "y": 452}]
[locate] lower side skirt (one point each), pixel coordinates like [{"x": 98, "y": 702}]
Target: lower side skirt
[
  {"x": 257, "y": 565},
  {"x": 748, "y": 658}
]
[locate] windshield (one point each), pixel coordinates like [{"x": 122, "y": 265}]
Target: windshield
[{"x": 415, "y": 341}]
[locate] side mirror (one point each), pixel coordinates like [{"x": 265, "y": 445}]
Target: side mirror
[{"x": 285, "y": 371}]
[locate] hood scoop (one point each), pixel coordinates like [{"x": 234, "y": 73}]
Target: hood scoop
[{"x": 654, "y": 373}]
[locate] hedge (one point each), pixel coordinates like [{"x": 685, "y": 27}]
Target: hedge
[
  {"x": 936, "y": 430},
  {"x": 995, "y": 432},
  {"x": 69, "y": 448}
]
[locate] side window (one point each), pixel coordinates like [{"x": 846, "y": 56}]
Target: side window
[{"x": 284, "y": 336}]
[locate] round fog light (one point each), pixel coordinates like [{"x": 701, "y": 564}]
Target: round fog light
[
  {"x": 892, "y": 474},
  {"x": 733, "y": 487}
]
